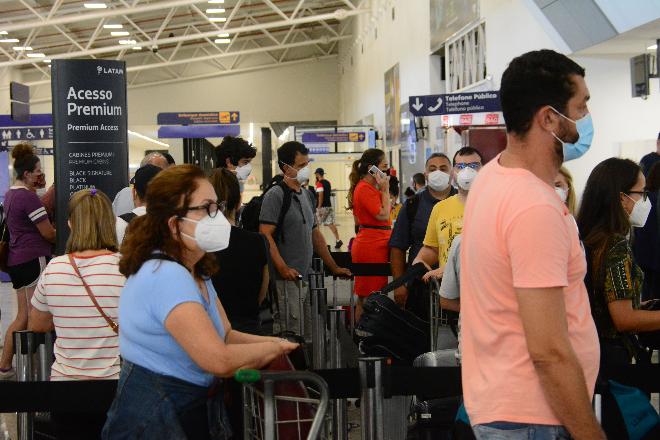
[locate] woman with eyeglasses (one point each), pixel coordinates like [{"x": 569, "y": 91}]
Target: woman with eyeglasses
[
  {"x": 614, "y": 201},
  {"x": 175, "y": 340}
]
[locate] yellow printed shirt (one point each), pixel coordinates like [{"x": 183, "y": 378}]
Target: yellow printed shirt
[
  {"x": 394, "y": 212},
  {"x": 445, "y": 223}
]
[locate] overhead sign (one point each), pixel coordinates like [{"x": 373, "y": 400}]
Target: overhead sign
[
  {"x": 197, "y": 131},
  {"x": 199, "y": 118},
  {"x": 90, "y": 120},
  {"x": 36, "y": 120},
  {"x": 467, "y": 119},
  {"x": 26, "y": 133},
  {"x": 324, "y": 138},
  {"x": 455, "y": 103}
]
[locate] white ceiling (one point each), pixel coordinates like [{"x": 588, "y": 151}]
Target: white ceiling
[
  {"x": 628, "y": 44},
  {"x": 176, "y": 37}
]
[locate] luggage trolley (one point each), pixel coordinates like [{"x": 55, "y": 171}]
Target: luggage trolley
[
  {"x": 438, "y": 317},
  {"x": 264, "y": 409}
]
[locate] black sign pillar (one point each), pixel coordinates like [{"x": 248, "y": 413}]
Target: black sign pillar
[
  {"x": 91, "y": 138},
  {"x": 266, "y": 156}
]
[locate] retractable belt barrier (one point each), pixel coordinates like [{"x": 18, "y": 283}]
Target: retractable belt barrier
[
  {"x": 432, "y": 382},
  {"x": 343, "y": 259}
]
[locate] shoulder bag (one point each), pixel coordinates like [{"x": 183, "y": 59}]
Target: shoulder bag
[
  {"x": 4, "y": 242},
  {"x": 113, "y": 325}
]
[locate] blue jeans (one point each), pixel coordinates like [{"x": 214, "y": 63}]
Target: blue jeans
[
  {"x": 153, "y": 406},
  {"x": 519, "y": 431}
]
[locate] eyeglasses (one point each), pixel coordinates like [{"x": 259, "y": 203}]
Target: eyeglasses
[
  {"x": 473, "y": 165},
  {"x": 212, "y": 208},
  {"x": 644, "y": 194}
]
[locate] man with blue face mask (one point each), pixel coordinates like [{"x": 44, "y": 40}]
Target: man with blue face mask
[{"x": 288, "y": 221}]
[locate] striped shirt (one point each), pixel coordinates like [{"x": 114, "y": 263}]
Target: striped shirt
[{"x": 86, "y": 346}]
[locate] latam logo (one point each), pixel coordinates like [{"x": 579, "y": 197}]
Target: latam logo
[
  {"x": 492, "y": 119},
  {"x": 109, "y": 70},
  {"x": 466, "y": 120}
]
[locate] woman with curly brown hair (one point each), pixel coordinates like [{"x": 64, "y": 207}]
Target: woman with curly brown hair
[{"x": 175, "y": 337}]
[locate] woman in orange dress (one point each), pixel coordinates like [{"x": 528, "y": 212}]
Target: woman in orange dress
[{"x": 369, "y": 199}]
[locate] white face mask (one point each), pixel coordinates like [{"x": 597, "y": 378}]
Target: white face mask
[
  {"x": 212, "y": 233},
  {"x": 640, "y": 212},
  {"x": 244, "y": 171},
  {"x": 302, "y": 175},
  {"x": 465, "y": 177},
  {"x": 438, "y": 180},
  {"x": 562, "y": 193}
]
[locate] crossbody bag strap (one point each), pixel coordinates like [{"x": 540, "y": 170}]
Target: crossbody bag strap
[{"x": 113, "y": 325}]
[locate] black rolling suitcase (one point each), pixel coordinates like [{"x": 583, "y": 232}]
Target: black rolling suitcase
[{"x": 384, "y": 329}]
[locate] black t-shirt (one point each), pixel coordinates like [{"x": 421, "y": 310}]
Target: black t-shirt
[
  {"x": 240, "y": 276},
  {"x": 325, "y": 193}
]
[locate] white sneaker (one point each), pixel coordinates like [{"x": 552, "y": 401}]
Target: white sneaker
[{"x": 8, "y": 375}]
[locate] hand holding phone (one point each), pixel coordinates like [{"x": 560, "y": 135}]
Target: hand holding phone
[{"x": 382, "y": 179}]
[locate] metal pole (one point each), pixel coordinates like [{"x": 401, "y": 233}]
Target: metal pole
[
  {"x": 319, "y": 307},
  {"x": 433, "y": 330},
  {"x": 318, "y": 275},
  {"x": 334, "y": 291},
  {"x": 336, "y": 319},
  {"x": 269, "y": 410},
  {"x": 352, "y": 304},
  {"x": 371, "y": 406},
  {"x": 301, "y": 310},
  {"x": 286, "y": 307},
  {"x": 24, "y": 348},
  {"x": 42, "y": 341}
]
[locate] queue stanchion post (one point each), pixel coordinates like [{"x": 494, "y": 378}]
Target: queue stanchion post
[
  {"x": 301, "y": 308},
  {"x": 336, "y": 319},
  {"x": 371, "y": 405},
  {"x": 352, "y": 305},
  {"x": 319, "y": 305},
  {"x": 24, "y": 349},
  {"x": 334, "y": 291},
  {"x": 286, "y": 307},
  {"x": 318, "y": 274},
  {"x": 44, "y": 342}
]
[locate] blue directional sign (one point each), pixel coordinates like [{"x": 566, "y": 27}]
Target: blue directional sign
[
  {"x": 197, "y": 131},
  {"x": 199, "y": 118},
  {"x": 455, "y": 103},
  {"x": 26, "y": 133},
  {"x": 323, "y": 138}
]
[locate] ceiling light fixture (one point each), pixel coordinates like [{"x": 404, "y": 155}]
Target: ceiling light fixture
[
  {"x": 147, "y": 138},
  {"x": 95, "y": 5},
  {"x": 137, "y": 47},
  {"x": 215, "y": 11},
  {"x": 653, "y": 47},
  {"x": 113, "y": 26},
  {"x": 47, "y": 61},
  {"x": 3, "y": 32},
  {"x": 225, "y": 35},
  {"x": 215, "y": 2},
  {"x": 120, "y": 34},
  {"x": 9, "y": 40},
  {"x": 22, "y": 48},
  {"x": 127, "y": 42},
  {"x": 218, "y": 19},
  {"x": 36, "y": 55},
  {"x": 222, "y": 41}
]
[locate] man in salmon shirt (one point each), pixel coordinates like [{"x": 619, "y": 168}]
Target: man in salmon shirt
[{"x": 530, "y": 347}]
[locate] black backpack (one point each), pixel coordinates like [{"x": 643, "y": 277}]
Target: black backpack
[
  {"x": 251, "y": 211},
  {"x": 128, "y": 216}
]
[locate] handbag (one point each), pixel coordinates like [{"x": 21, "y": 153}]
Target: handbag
[
  {"x": 4, "y": 243},
  {"x": 636, "y": 419},
  {"x": 113, "y": 325}
]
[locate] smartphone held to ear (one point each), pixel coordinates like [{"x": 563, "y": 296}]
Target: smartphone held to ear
[{"x": 375, "y": 170}]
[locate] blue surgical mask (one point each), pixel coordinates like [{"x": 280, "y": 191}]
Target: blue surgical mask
[{"x": 585, "y": 129}]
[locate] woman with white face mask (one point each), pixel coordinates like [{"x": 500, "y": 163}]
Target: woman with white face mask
[
  {"x": 614, "y": 201},
  {"x": 175, "y": 339},
  {"x": 565, "y": 190}
]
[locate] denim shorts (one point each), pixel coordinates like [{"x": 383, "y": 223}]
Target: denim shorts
[{"x": 519, "y": 431}]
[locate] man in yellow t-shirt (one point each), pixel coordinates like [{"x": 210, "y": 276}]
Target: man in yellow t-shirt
[{"x": 446, "y": 221}]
